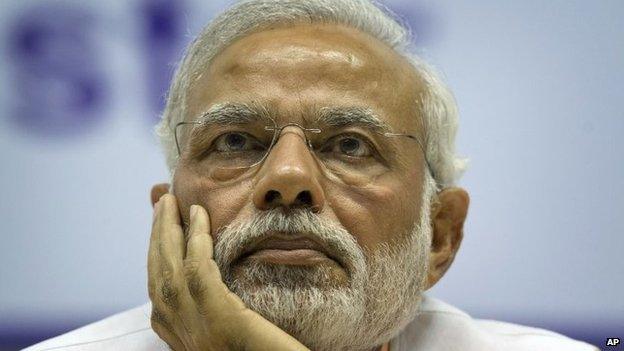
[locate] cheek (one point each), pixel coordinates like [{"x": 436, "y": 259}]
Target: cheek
[
  {"x": 223, "y": 203},
  {"x": 376, "y": 214}
]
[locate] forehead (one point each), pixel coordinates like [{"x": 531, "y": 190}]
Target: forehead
[{"x": 298, "y": 70}]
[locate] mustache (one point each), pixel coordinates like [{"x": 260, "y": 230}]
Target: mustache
[{"x": 234, "y": 240}]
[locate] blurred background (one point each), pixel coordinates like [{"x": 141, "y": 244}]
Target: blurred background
[{"x": 539, "y": 86}]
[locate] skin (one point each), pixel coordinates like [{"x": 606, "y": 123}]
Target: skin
[{"x": 292, "y": 71}]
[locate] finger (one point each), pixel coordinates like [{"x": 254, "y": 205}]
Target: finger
[
  {"x": 199, "y": 241},
  {"x": 153, "y": 265},
  {"x": 201, "y": 271},
  {"x": 167, "y": 275},
  {"x": 166, "y": 283},
  {"x": 161, "y": 320},
  {"x": 172, "y": 285},
  {"x": 163, "y": 329},
  {"x": 170, "y": 230}
]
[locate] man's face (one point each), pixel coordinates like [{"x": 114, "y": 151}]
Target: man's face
[{"x": 294, "y": 73}]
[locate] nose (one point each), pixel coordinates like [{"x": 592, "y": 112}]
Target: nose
[{"x": 289, "y": 176}]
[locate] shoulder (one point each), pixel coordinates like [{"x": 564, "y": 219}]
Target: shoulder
[
  {"x": 440, "y": 326},
  {"x": 128, "y": 330}
]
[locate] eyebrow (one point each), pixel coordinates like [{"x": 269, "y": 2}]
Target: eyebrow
[
  {"x": 233, "y": 113},
  {"x": 242, "y": 113},
  {"x": 348, "y": 116}
]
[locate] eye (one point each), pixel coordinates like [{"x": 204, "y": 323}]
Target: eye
[
  {"x": 349, "y": 145},
  {"x": 234, "y": 141}
]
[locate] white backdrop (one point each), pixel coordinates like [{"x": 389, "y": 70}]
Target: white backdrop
[{"x": 539, "y": 85}]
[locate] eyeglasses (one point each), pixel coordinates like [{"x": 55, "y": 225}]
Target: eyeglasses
[{"x": 355, "y": 153}]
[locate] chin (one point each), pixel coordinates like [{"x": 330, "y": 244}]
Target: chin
[
  {"x": 304, "y": 301},
  {"x": 253, "y": 275}
]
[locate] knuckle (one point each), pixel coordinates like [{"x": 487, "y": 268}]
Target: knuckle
[
  {"x": 197, "y": 287},
  {"x": 169, "y": 293},
  {"x": 169, "y": 288},
  {"x": 159, "y": 319},
  {"x": 192, "y": 269},
  {"x": 191, "y": 265},
  {"x": 167, "y": 274}
]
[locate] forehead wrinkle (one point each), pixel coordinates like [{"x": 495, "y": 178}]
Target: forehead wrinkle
[{"x": 294, "y": 55}]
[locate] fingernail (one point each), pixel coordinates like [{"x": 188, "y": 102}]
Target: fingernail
[{"x": 194, "y": 209}]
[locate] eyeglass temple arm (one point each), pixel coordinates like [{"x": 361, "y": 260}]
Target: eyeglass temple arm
[
  {"x": 422, "y": 148},
  {"x": 175, "y": 133}
]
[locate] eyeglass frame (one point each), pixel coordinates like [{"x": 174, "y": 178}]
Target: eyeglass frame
[{"x": 277, "y": 131}]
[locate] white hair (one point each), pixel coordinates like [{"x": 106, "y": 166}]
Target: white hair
[
  {"x": 382, "y": 294},
  {"x": 437, "y": 104}
]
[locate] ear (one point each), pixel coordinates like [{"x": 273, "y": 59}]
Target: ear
[
  {"x": 448, "y": 214},
  {"x": 158, "y": 190}
]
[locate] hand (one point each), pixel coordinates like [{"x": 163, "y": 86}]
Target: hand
[{"x": 192, "y": 309}]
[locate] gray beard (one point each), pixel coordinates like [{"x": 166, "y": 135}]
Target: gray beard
[{"x": 381, "y": 297}]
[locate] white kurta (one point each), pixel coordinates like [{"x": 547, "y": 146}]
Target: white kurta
[{"x": 438, "y": 327}]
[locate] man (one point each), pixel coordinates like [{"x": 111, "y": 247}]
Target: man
[{"x": 312, "y": 199}]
